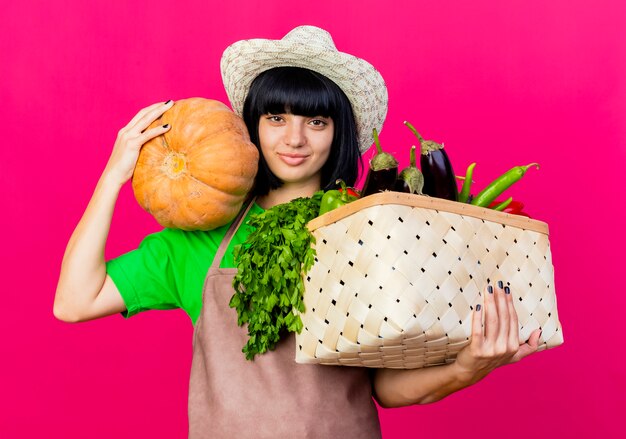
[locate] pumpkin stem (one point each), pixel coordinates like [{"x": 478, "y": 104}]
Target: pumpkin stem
[{"x": 174, "y": 165}]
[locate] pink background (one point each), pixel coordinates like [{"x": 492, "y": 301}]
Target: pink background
[{"x": 501, "y": 83}]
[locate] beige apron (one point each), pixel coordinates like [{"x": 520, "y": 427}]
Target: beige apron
[{"x": 272, "y": 396}]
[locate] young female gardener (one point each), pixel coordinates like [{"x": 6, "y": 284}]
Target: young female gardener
[{"x": 310, "y": 110}]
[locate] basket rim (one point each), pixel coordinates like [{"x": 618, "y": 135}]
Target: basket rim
[{"x": 413, "y": 200}]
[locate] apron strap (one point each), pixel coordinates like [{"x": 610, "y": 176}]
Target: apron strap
[{"x": 217, "y": 260}]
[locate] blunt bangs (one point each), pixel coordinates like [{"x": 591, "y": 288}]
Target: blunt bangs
[{"x": 297, "y": 91}]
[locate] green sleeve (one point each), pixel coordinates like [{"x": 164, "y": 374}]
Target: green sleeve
[
  {"x": 145, "y": 277},
  {"x": 169, "y": 267}
]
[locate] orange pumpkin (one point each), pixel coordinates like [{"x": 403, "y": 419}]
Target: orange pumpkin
[{"x": 196, "y": 176}]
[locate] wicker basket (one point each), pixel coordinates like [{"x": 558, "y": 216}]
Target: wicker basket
[{"x": 397, "y": 276}]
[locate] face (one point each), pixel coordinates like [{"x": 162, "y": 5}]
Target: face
[{"x": 296, "y": 147}]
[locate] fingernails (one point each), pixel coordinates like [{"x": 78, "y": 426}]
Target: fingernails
[
  {"x": 168, "y": 102},
  {"x": 507, "y": 290},
  {"x": 500, "y": 284},
  {"x": 478, "y": 307},
  {"x": 167, "y": 125},
  {"x": 490, "y": 289}
]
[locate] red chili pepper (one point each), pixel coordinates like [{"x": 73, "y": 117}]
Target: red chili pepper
[
  {"x": 352, "y": 192},
  {"x": 514, "y": 207}
]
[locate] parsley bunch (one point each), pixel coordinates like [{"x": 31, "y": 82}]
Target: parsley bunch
[{"x": 268, "y": 285}]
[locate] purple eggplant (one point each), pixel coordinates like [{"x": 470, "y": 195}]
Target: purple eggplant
[
  {"x": 410, "y": 179},
  {"x": 383, "y": 171},
  {"x": 439, "y": 177}
]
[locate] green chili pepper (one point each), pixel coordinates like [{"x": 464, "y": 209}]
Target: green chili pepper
[
  {"x": 503, "y": 205},
  {"x": 335, "y": 198},
  {"x": 467, "y": 184},
  {"x": 500, "y": 184}
]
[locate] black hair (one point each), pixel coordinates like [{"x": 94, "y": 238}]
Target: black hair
[{"x": 307, "y": 93}]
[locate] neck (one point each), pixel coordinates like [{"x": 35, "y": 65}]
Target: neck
[{"x": 286, "y": 193}]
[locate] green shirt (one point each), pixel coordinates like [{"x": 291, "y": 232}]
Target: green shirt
[{"x": 168, "y": 269}]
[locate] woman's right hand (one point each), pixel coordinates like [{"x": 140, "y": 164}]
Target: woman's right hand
[
  {"x": 497, "y": 342},
  {"x": 131, "y": 138}
]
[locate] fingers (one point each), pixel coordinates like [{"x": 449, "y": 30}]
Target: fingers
[
  {"x": 500, "y": 343},
  {"x": 151, "y": 115},
  {"x": 525, "y": 349},
  {"x": 504, "y": 317},
  {"x": 141, "y": 113},
  {"x": 491, "y": 314},
  {"x": 501, "y": 331},
  {"x": 533, "y": 341},
  {"x": 146, "y": 116},
  {"x": 477, "y": 325},
  {"x": 131, "y": 138},
  {"x": 513, "y": 340},
  {"x": 152, "y": 133}
]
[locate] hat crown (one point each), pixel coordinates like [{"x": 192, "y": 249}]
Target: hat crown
[{"x": 311, "y": 35}]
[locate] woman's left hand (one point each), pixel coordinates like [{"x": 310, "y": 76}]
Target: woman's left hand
[{"x": 497, "y": 343}]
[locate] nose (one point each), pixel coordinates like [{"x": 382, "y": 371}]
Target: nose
[{"x": 294, "y": 134}]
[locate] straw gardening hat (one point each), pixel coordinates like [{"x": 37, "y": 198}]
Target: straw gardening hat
[{"x": 311, "y": 48}]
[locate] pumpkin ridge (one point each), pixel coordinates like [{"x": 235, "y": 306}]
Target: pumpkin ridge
[
  {"x": 216, "y": 131},
  {"x": 159, "y": 121},
  {"x": 165, "y": 144},
  {"x": 223, "y": 191}
]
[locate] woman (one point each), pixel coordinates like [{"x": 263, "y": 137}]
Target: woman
[{"x": 310, "y": 110}]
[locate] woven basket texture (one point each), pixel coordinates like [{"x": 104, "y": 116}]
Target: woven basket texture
[{"x": 397, "y": 277}]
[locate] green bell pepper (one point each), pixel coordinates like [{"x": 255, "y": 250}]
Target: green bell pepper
[{"x": 337, "y": 197}]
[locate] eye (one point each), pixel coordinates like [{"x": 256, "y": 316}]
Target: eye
[
  {"x": 274, "y": 118},
  {"x": 319, "y": 122}
]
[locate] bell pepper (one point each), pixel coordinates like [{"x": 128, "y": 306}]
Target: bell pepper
[{"x": 337, "y": 197}]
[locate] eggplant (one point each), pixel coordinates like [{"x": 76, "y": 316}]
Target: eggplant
[
  {"x": 383, "y": 171},
  {"x": 410, "y": 179},
  {"x": 439, "y": 177}
]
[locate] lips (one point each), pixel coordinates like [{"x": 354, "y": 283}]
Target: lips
[{"x": 292, "y": 159}]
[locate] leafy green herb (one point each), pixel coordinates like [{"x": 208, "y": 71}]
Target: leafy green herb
[{"x": 270, "y": 263}]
